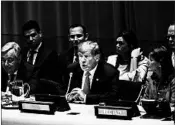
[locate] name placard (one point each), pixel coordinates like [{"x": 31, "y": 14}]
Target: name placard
[
  {"x": 29, "y": 106},
  {"x": 37, "y": 107},
  {"x": 113, "y": 112}
]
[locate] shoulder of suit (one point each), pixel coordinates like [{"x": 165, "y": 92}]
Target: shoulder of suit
[{"x": 109, "y": 69}]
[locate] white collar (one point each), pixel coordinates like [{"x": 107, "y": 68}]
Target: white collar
[
  {"x": 15, "y": 73},
  {"x": 37, "y": 49},
  {"x": 92, "y": 71}
]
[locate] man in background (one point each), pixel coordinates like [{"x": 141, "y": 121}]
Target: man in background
[
  {"x": 41, "y": 61},
  {"x": 76, "y": 34},
  {"x": 171, "y": 41}
]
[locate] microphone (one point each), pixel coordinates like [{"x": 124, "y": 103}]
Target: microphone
[{"x": 70, "y": 79}]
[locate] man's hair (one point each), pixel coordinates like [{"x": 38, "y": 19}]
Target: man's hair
[
  {"x": 9, "y": 46},
  {"x": 94, "y": 47},
  {"x": 78, "y": 25},
  {"x": 31, "y": 24}
]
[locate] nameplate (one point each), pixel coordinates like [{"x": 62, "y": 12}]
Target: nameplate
[
  {"x": 37, "y": 107},
  {"x": 113, "y": 112}
]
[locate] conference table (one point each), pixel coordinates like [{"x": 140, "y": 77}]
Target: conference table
[{"x": 79, "y": 114}]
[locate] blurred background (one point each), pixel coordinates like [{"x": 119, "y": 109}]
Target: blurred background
[{"x": 103, "y": 20}]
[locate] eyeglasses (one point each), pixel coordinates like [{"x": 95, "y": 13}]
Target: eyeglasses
[
  {"x": 170, "y": 36},
  {"x": 31, "y": 35},
  {"x": 9, "y": 60},
  {"x": 77, "y": 35}
]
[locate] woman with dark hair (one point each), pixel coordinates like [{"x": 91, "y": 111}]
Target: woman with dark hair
[
  {"x": 129, "y": 59},
  {"x": 159, "y": 78}
]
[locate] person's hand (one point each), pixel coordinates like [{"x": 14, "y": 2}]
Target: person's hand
[
  {"x": 79, "y": 95},
  {"x": 136, "y": 53}
]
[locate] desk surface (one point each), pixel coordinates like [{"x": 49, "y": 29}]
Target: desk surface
[{"x": 79, "y": 114}]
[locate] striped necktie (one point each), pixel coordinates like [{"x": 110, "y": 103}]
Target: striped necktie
[
  {"x": 173, "y": 59},
  {"x": 31, "y": 56},
  {"x": 86, "y": 88}
]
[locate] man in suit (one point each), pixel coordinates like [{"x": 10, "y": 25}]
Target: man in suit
[
  {"x": 12, "y": 69},
  {"x": 93, "y": 80},
  {"x": 171, "y": 41},
  {"x": 171, "y": 45},
  {"x": 77, "y": 33},
  {"x": 41, "y": 61}
]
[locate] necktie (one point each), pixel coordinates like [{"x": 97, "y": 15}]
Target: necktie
[
  {"x": 31, "y": 55},
  {"x": 86, "y": 87},
  {"x": 173, "y": 59},
  {"x": 12, "y": 77},
  {"x": 75, "y": 58}
]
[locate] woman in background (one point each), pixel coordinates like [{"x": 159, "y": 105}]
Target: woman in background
[
  {"x": 129, "y": 59},
  {"x": 160, "y": 82}
]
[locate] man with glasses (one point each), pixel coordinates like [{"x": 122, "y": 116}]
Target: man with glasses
[
  {"x": 171, "y": 41},
  {"x": 41, "y": 61}
]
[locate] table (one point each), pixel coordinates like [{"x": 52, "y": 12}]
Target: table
[{"x": 80, "y": 114}]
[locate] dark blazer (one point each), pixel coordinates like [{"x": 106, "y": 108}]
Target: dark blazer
[
  {"x": 104, "y": 84},
  {"x": 65, "y": 59},
  {"x": 46, "y": 66}
]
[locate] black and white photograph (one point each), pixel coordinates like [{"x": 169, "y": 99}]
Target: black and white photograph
[{"x": 87, "y": 62}]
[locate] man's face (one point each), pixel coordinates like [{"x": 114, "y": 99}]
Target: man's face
[
  {"x": 76, "y": 35},
  {"x": 33, "y": 38},
  {"x": 121, "y": 45},
  {"x": 171, "y": 37},
  {"x": 10, "y": 62},
  {"x": 86, "y": 59}
]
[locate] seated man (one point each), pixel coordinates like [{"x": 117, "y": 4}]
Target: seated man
[
  {"x": 41, "y": 61},
  {"x": 92, "y": 80},
  {"x": 12, "y": 66}
]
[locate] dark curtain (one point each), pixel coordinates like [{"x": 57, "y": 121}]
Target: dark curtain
[{"x": 103, "y": 19}]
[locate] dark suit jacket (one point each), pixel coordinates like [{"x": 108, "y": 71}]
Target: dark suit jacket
[
  {"x": 104, "y": 84},
  {"x": 46, "y": 66},
  {"x": 65, "y": 59}
]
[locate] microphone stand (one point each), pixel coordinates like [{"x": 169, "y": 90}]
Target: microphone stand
[{"x": 70, "y": 79}]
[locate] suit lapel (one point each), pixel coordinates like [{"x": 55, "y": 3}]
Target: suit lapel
[
  {"x": 42, "y": 55},
  {"x": 97, "y": 78}
]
